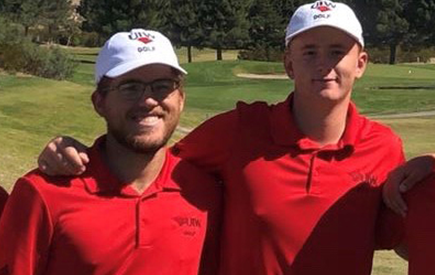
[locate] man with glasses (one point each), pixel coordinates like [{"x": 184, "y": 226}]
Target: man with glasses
[
  {"x": 303, "y": 178},
  {"x": 137, "y": 209}
]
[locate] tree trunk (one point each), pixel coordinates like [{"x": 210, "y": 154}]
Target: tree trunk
[
  {"x": 26, "y": 31},
  {"x": 393, "y": 50},
  {"x": 68, "y": 42},
  {"x": 218, "y": 53},
  {"x": 189, "y": 54}
]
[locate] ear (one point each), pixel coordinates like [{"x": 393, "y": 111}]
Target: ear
[
  {"x": 182, "y": 99},
  {"x": 363, "y": 59},
  {"x": 288, "y": 63},
  {"x": 98, "y": 102}
]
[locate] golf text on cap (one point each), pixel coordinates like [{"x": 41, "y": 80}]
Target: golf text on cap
[{"x": 144, "y": 38}]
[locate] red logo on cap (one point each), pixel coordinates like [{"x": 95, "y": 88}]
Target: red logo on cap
[
  {"x": 145, "y": 39},
  {"x": 323, "y": 6}
]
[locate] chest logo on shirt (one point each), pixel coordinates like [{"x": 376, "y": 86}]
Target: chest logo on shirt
[
  {"x": 360, "y": 177},
  {"x": 190, "y": 224},
  {"x": 187, "y": 221}
]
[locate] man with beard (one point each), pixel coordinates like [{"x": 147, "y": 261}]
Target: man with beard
[
  {"x": 303, "y": 178},
  {"x": 137, "y": 209}
]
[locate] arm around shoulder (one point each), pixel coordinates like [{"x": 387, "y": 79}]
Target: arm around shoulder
[{"x": 209, "y": 145}]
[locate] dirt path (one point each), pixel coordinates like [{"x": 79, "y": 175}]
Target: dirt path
[
  {"x": 263, "y": 76},
  {"x": 407, "y": 115}
]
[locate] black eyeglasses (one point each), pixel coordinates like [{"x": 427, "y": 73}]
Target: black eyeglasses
[{"x": 158, "y": 89}]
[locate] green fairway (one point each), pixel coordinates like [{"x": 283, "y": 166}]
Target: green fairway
[{"x": 33, "y": 109}]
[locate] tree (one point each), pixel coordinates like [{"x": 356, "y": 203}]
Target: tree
[
  {"x": 421, "y": 16},
  {"x": 28, "y": 13},
  {"x": 110, "y": 16},
  {"x": 392, "y": 28},
  {"x": 183, "y": 26},
  {"x": 266, "y": 31},
  {"x": 384, "y": 23},
  {"x": 268, "y": 21},
  {"x": 224, "y": 23},
  {"x": 58, "y": 16}
]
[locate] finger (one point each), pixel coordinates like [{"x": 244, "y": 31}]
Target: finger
[
  {"x": 72, "y": 160},
  {"x": 48, "y": 154},
  {"x": 392, "y": 197},
  {"x": 80, "y": 147},
  {"x": 84, "y": 157},
  {"x": 408, "y": 183},
  {"x": 51, "y": 164}
]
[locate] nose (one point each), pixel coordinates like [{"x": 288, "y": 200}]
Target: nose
[
  {"x": 323, "y": 64},
  {"x": 147, "y": 99}
]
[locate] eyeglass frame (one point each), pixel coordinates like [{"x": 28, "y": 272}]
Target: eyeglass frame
[{"x": 177, "y": 83}]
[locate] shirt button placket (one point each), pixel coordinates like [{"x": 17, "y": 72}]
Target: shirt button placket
[
  {"x": 312, "y": 172},
  {"x": 143, "y": 223}
]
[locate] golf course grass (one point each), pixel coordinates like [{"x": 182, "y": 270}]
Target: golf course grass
[{"x": 33, "y": 109}]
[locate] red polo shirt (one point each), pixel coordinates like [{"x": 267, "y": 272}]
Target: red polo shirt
[
  {"x": 95, "y": 224},
  {"x": 292, "y": 206},
  {"x": 420, "y": 227},
  {"x": 3, "y": 198}
]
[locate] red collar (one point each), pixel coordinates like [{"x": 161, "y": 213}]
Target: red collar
[
  {"x": 99, "y": 179},
  {"x": 285, "y": 131}
]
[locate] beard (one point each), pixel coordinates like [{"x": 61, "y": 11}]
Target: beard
[{"x": 135, "y": 143}]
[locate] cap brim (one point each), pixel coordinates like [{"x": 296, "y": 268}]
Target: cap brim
[
  {"x": 293, "y": 35},
  {"x": 129, "y": 66}
]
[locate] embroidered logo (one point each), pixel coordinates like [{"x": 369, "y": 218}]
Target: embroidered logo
[
  {"x": 189, "y": 224},
  {"x": 143, "y": 37},
  {"x": 360, "y": 177},
  {"x": 145, "y": 40},
  {"x": 323, "y": 6},
  {"x": 186, "y": 221}
]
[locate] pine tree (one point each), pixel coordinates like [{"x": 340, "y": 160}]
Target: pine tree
[
  {"x": 267, "y": 28},
  {"x": 110, "y": 16},
  {"x": 224, "y": 23},
  {"x": 183, "y": 27},
  {"x": 28, "y": 13}
]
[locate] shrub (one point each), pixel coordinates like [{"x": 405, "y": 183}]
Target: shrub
[
  {"x": 25, "y": 56},
  {"x": 19, "y": 54},
  {"x": 404, "y": 54},
  {"x": 87, "y": 39}
]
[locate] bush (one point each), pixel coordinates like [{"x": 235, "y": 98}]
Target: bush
[
  {"x": 87, "y": 39},
  {"x": 404, "y": 54},
  {"x": 25, "y": 56}
]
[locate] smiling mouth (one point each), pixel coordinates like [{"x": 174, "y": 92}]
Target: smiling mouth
[
  {"x": 146, "y": 120},
  {"x": 324, "y": 79}
]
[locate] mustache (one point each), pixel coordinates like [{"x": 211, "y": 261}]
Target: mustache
[{"x": 145, "y": 112}]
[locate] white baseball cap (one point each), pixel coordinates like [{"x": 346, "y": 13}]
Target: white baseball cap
[
  {"x": 126, "y": 51},
  {"x": 324, "y": 13}
]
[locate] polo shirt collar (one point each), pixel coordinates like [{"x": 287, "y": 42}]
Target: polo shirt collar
[
  {"x": 99, "y": 179},
  {"x": 286, "y": 132}
]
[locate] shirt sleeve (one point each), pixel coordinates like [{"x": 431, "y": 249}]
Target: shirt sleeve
[
  {"x": 390, "y": 228},
  {"x": 3, "y": 197},
  {"x": 25, "y": 232},
  {"x": 209, "y": 145}
]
